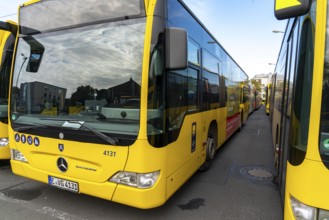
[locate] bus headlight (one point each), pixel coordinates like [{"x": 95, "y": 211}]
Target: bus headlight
[
  {"x": 302, "y": 211},
  {"x": 17, "y": 155},
  {"x": 4, "y": 142},
  {"x": 138, "y": 180}
]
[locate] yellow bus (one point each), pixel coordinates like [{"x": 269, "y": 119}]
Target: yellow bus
[
  {"x": 252, "y": 98},
  {"x": 124, "y": 100},
  {"x": 258, "y": 100},
  {"x": 300, "y": 121},
  {"x": 268, "y": 98},
  {"x": 244, "y": 101},
  {"x": 8, "y": 32}
]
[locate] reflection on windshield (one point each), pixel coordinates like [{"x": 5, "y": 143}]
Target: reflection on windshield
[
  {"x": 57, "y": 14},
  {"x": 93, "y": 70},
  {"x": 4, "y": 83},
  {"x": 5, "y": 69},
  {"x": 324, "y": 119}
]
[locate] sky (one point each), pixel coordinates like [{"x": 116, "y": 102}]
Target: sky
[{"x": 243, "y": 27}]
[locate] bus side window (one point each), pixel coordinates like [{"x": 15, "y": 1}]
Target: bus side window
[
  {"x": 177, "y": 92},
  {"x": 211, "y": 81},
  {"x": 192, "y": 96}
]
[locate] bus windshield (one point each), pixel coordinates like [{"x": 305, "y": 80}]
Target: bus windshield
[
  {"x": 5, "y": 68},
  {"x": 324, "y": 122},
  {"x": 89, "y": 74},
  {"x": 57, "y": 14}
]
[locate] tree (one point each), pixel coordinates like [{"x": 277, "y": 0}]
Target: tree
[
  {"x": 257, "y": 84},
  {"x": 83, "y": 93}
]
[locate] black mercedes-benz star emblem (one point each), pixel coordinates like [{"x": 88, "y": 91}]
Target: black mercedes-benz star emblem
[{"x": 62, "y": 164}]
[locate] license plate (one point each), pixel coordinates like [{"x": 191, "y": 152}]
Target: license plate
[{"x": 63, "y": 184}]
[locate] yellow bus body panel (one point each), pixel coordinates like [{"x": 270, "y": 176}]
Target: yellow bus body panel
[
  {"x": 101, "y": 190},
  {"x": 221, "y": 116},
  {"x": 93, "y": 177},
  {"x": 176, "y": 161},
  {"x": 310, "y": 175},
  {"x": 87, "y": 160},
  {"x": 31, "y": 2},
  {"x": 4, "y": 151},
  {"x": 87, "y": 163}
]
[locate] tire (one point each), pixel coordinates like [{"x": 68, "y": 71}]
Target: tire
[
  {"x": 205, "y": 166},
  {"x": 210, "y": 149}
]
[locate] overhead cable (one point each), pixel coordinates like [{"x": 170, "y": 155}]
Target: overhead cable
[{"x": 8, "y": 15}]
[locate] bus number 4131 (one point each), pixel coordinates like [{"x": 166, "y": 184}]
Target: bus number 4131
[{"x": 109, "y": 153}]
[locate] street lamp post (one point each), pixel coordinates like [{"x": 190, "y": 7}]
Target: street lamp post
[{"x": 278, "y": 32}]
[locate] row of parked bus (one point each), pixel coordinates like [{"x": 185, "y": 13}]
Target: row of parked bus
[
  {"x": 157, "y": 54},
  {"x": 255, "y": 98}
]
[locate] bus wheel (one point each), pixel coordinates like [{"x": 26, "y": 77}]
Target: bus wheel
[{"x": 210, "y": 149}]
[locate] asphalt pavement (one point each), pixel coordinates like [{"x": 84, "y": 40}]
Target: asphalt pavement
[{"x": 239, "y": 184}]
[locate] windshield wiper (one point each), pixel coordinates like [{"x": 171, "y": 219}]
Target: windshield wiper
[
  {"x": 108, "y": 139},
  {"x": 28, "y": 127}
]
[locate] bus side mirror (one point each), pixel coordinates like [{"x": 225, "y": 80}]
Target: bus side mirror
[
  {"x": 36, "y": 52},
  {"x": 176, "y": 48},
  {"x": 34, "y": 61},
  {"x": 284, "y": 9}
]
